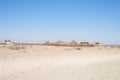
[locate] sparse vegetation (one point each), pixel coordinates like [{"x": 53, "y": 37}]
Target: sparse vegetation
[
  {"x": 17, "y": 47},
  {"x": 78, "y": 48},
  {"x": 111, "y": 47},
  {"x": 45, "y": 48},
  {"x": 68, "y": 49},
  {"x": 99, "y": 48}
]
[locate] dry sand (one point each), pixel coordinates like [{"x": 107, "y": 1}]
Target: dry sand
[{"x": 35, "y": 62}]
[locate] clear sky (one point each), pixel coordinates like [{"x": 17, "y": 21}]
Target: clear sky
[{"x": 39, "y": 20}]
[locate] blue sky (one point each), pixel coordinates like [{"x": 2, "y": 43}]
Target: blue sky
[{"x": 39, "y": 20}]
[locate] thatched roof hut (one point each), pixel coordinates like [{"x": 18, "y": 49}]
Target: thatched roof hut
[
  {"x": 47, "y": 42},
  {"x": 84, "y": 42},
  {"x": 73, "y": 43},
  {"x": 8, "y": 42},
  {"x": 60, "y": 43}
]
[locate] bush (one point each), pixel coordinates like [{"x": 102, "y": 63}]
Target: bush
[
  {"x": 17, "y": 47},
  {"x": 78, "y": 48}
]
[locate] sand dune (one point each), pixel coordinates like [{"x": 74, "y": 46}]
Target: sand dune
[{"x": 60, "y": 63}]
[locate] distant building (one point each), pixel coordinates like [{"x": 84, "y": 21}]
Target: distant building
[
  {"x": 60, "y": 43},
  {"x": 73, "y": 43},
  {"x": 84, "y": 42},
  {"x": 98, "y": 44},
  {"x": 47, "y": 42},
  {"x": 8, "y": 42}
]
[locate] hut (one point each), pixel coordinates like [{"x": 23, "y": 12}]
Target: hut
[
  {"x": 60, "y": 43},
  {"x": 8, "y": 42},
  {"x": 73, "y": 43},
  {"x": 84, "y": 42},
  {"x": 46, "y": 42}
]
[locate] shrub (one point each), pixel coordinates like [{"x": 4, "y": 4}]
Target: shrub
[
  {"x": 78, "y": 48},
  {"x": 17, "y": 47}
]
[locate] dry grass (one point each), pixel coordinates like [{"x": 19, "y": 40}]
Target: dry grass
[
  {"x": 99, "y": 48},
  {"x": 68, "y": 49},
  {"x": 119, "y": 47},
  {"x": 3, "y": 46},
  {"x": 111, "y": 47},
  {"x": 4, "y": 58},
  {"x": 17, "y": 47},
  {"x": 77, "y": 48},
  {"x": 45, "y": 48}
]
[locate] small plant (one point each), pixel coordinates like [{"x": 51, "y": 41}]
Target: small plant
[
  {"x": 45, "y": 48},
  {"x": 23, "y": 47},
  {"x": 17, "y": 47},
  {"x": 99, "y": 48},
  {"x": 5, "y": 59},
  {"x": 111, "y": 47},
  {"x": 78, "y": 48},
  {"x": 68, "y": 49}
]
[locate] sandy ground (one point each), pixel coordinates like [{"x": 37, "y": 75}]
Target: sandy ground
[{"x": 36, "y": 62}]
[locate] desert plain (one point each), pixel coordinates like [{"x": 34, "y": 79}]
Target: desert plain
[{"x": 39, "y": 62}]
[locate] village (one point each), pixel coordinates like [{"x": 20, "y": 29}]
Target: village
[
  {"x": 51, "y": 61},
  {"x": 72, "y": 43},
  {"x": 59, "y": 40}
]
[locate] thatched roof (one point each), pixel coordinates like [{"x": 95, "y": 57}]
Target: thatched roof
[
  {"x": 73, "y": 42},
  {"x": 60, "y": 42},
  {"x": 47, "y": 42},
  {"x": 84, "y": 41}
]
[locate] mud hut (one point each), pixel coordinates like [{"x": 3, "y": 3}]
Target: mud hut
[
  {"x": 84, "y": 42},
  {"x": 73, "y": 43},
  {"x": 46, "y": 42},
  {"x": 60, "y": 43},
  {"x": 8, "y": 42}
]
